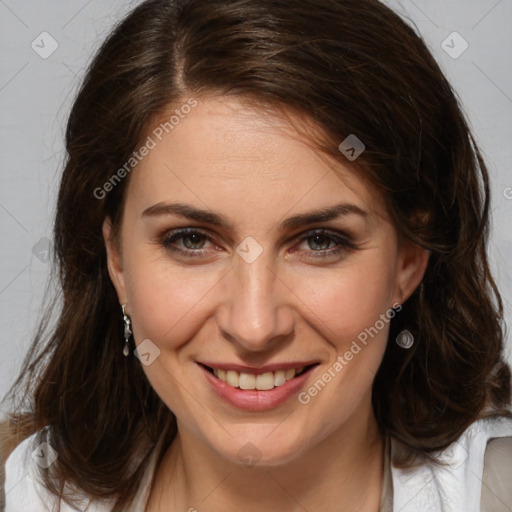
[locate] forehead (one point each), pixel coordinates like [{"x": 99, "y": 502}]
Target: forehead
[{"x": 226, "y": 152}]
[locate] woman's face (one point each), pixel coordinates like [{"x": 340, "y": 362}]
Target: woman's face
[{"x": 259, "y": 285}]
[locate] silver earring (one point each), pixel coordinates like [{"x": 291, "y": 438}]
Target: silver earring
[
  {"x": 127, "y": 332},
  {"x": 405, "y": 339}
]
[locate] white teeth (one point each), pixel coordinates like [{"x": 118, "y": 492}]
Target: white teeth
[
  {"x": 262, "y": 382},
  {"x": 265, "y": 381},
  {"x": 232, "y": 378},
  {"x": 279, "y": 377},
  {"x": 247, "y": 381}
]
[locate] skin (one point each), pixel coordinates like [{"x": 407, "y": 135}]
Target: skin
[{"x": 287, "y": 305}]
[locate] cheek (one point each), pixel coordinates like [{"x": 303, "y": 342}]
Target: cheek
[
  {"x": 352, "y": 311},
  {"x": 166, "y": 304},
  {"x": 350, "y": 299},
  {"x": 169, "y": 301},
  {"x": 168, "y": 307}
]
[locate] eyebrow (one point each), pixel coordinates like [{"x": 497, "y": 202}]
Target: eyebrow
[{"x": 295, "y": 221}]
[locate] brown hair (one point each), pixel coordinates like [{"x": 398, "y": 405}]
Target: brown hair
[{"x": 352, "y": 67}]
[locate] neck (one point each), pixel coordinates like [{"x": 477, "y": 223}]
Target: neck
[{"x": 343, "y": 472}]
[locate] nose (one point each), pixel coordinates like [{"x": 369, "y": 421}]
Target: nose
[{"x": 256, "y": 312}]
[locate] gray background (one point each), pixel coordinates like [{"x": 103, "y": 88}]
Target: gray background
[{"x": 36, "y": 93}]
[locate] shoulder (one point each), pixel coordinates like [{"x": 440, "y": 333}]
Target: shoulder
[
  {"x": 497, "y": 474},
  {"x": 499, "y": 451},
  {"x": 458, "y": 481},
  {"x": 24, "y": 489},
  {"x": 20, "y": 487}
]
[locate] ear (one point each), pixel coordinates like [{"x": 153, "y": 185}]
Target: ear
[
  {"x": 114, "y": 260},
  {"x": 412, "y": 264}
]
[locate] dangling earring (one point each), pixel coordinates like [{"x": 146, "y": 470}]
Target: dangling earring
[
  {"x": 405, "y": 339},
  {"x": 127, "y": 332}
]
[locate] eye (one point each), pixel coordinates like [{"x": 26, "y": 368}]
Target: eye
[
  {"x": 321, "y": 243},
  {"x": 192, "y": 239},
  {"x": 324, "y": 243}
]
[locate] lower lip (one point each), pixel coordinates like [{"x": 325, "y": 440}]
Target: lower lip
[{"x": 253, "y": 399}]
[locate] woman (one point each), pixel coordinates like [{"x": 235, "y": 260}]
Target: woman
[{"x": 271, "y": 239}]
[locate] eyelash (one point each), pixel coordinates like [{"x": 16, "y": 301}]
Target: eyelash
[{"x": 343, "y": 242}]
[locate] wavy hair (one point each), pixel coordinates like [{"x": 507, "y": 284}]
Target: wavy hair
[{"x": 350, "y": 67}]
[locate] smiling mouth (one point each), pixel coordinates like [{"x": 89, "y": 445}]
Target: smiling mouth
[{"x": 262, "y": 382}]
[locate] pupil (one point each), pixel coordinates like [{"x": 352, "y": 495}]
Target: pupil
[
  {"x": 320, "y": 237},
  {"x": 194, "y": 238}
]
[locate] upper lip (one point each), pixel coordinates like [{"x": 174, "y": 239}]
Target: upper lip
[{"x": 256, "y": 370}]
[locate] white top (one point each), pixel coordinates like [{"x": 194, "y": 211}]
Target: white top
[{"x": 456, "y": 487}]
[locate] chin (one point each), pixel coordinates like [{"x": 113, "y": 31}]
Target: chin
[{"x": 265, "y": 447}]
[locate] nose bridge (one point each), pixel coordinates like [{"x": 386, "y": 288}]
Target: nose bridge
[{"x": 256, "y": 311}]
